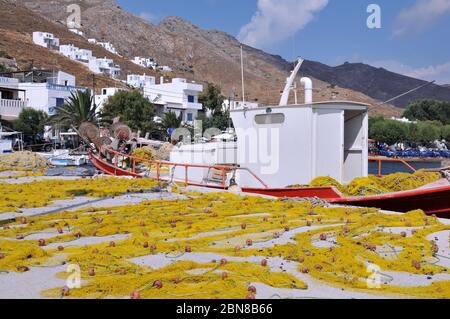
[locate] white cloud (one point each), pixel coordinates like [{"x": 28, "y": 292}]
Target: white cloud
[
  {"x": 440, "y": 73},
  {"x": 148, "y": 16},
  {"x": 277, "y": 20},
  {"x": 420, "y": 16}
]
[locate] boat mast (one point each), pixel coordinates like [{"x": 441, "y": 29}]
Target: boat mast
[{"x": 290, "y": 81}]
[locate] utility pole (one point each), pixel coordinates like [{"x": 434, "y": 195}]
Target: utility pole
[
  {"x": 242, "y": 75},
  {"x": 93, "y": 88}
]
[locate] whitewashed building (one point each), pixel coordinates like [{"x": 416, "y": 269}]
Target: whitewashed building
[
  {"x": 145, "y": 62},
  {"x": 179, "y": 96},
  {"x": 43, "y": 93},
  {"x": 140, "y": 81},
  {"x": 12, "y": 100},
  {"x": 105, "y": 94},
  {"x": 165, "y": 68},
  {"x": 105, "y": 66},
  {"x": 108, "y": 46},
  {"x": 45, "y": 39},
  {"x": 53, "y": 93},
  {"x": 75, "y": 53},
  {"x": 77, "y": 31}
]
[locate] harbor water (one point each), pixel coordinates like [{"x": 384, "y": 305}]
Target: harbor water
[{"x": 395, "y": 167}]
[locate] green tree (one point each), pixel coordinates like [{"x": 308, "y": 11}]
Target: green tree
[
  {"x": 428, "y": 110},
  {"x": 31, "y": 123},
  {"x": 445, "y": 132},
  {"x": 171, "y": 120},
  {"x": 134, "y": 110},
  {"x": 3, "y": 69},
  {"x": 78, "y": 108},
  {"x": 389, "y": 131},
  {"x": 212, "y": 99},
  {"x": 428, "y": 132}
]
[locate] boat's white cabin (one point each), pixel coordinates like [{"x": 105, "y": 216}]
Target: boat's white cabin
[{"x": 288, "y": 145}]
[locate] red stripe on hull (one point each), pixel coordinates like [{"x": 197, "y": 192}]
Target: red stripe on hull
[{"x": 432, "y": 201}]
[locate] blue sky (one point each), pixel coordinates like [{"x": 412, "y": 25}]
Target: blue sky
[{"x": 414, "y": 37}]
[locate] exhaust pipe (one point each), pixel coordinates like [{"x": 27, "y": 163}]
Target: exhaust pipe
[{"x": 307, "y": 84}]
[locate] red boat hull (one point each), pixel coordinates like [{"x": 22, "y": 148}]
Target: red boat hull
[{"x": 434, "y": 200}]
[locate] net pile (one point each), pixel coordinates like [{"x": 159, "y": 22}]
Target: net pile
[
  {"x": 373, "y": 185},
  {"x": 22, "y": 160},
  {"x": 229, "y": 226}
]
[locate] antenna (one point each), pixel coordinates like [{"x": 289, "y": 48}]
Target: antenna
[
  {"x": 242, "y": 75},
  {"x": 406, "y": 93}
]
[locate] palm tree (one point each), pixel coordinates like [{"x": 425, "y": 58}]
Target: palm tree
[
  {"x": 170, "y": 120},
  {"x": 78, "y": 108}
]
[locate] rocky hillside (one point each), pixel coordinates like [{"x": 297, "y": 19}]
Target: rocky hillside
[
  {"x": 16, "y": 26},
  {"x": 377, "y": 83},
  {"x": 194, "y": 53}
]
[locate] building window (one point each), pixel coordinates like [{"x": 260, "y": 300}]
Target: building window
[
  {"x": 59, "y": 101},
  {"x": 277, "y": 118},
  {"x": 190, "y": 118},
  {"x": 191, "y": 99}
]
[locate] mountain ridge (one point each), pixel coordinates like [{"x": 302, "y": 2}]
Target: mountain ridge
[{"x": 205, "y": 55}]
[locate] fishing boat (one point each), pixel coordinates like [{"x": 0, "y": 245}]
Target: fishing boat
[{"x": 278, "y": 146}]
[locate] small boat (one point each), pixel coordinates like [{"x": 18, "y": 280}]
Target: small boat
[
  {"x": 64, "y": 158},
  {"x": 432, "y": 200}
]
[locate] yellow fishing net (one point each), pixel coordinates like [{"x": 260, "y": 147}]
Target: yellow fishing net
[
  {"x": 236, "y": 228},
  {"x": 14, "y": 197},
  {"x": 373, "y": 185}
]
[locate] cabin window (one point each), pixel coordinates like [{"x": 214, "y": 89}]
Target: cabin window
[
  {"x": 190, "y": 118},
  {"x": 277, "y": 118},
  {"x": 191, "y": 99}
]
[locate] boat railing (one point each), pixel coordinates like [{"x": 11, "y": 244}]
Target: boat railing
[
  {"x": 164, "y": 170},
  {"x": 380, "y": 160}
]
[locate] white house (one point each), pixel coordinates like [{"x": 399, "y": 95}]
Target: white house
[
  {"x": 51, "y": 91},
  {"x": 76, "y": 31},
  {"x": 46, "y": 96},
  {"x": 105, "y": 66},
  {"x": 108, "y": 46},
  {"x": 101, "y": 98},
  {"x": 145, "y": 62},
  {"x": 140, "y": 81},
  {"x": 165, "y": 68},
  {"x": 179, "y": 96},
  {"x": 75, "y": 53},
  {"x": 45, "y": 39},
  {"x": 12, "y": 100}
]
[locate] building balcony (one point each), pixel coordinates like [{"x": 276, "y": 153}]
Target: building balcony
[
  {"x": 60, "y": 87},
  {"x": 6, "y": 80},
  {"x": 194, "y": 106},
  {"x": 11, "y": 108}
]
